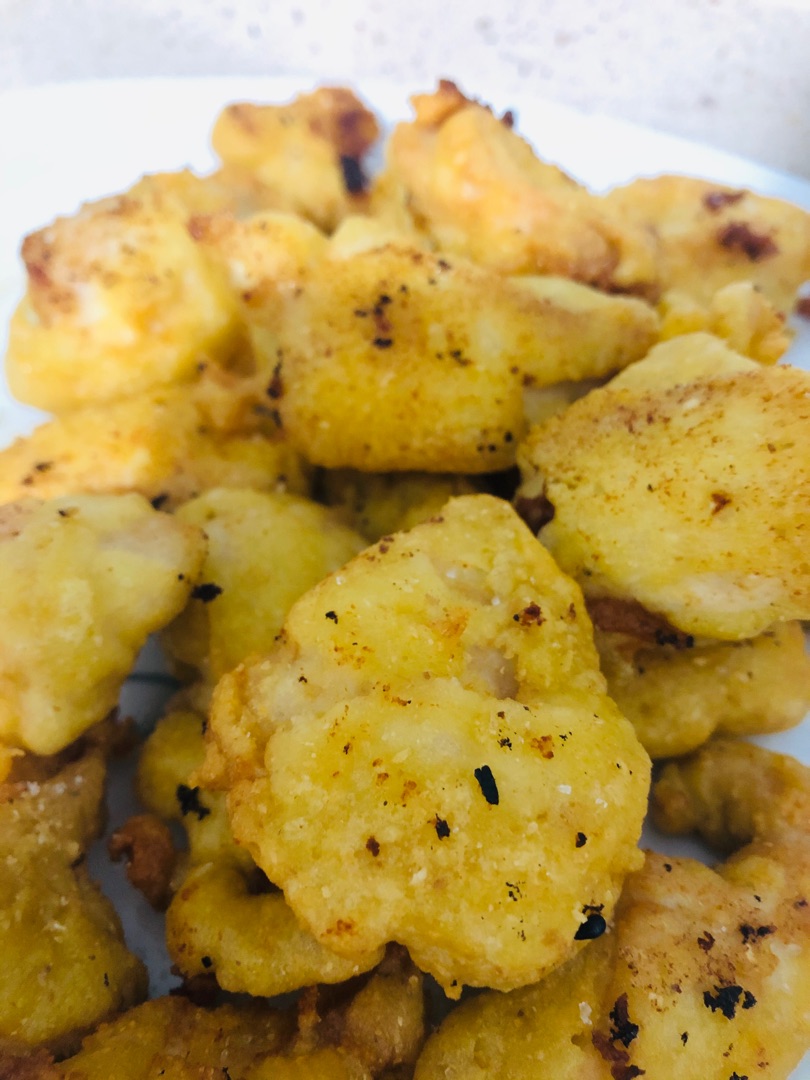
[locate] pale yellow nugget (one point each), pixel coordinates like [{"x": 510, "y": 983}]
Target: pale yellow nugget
[
  {"x": 225, "y": 918},
  {"x": 393, "y": 358},
  {"x": 677, "y": 698},
  {"x": 738, "y": 313},
  {"x": 428, "y": 755},
  {"x": 169, "y": 1037},
  {"x": 169, "y": 445},
  {"x": 306, "y": 155},
  {"x": 683, "y": 485},
  {"x": 705, "y": 972},
  {"x": 478, "y": 189},
  {"x": 377, "y": 504},
  {"x": 84, "y": 579},
  {"x": 374, "y": 1031},
  {"x": 264, "y": 551},
  {"x": 65, "y": 965},
  {"x": 709, "y": 235},
  {"x": 119, "y": 300}
]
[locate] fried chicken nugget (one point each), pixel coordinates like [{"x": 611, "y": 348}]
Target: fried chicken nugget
[
  {"x": 374, "y": 1031},
  {"x": 393, "y": 358},
  {"x": 428, "y": 755},
  {"x": 306, "y": 154},
  {"x": 65, "y": 965},
  {"x": 119, "y": 300},
  {"x": 264, "y": 550},
  {"x": 676, "y": 697},
  {"x": 171, "y": 1038},
  {"x": 377, "y": 504},
  {"x": 738, "y": 313},
  {"x": 705, "y": 972},
  {"x": 169, "y": 445},
  {"x": 225, "y": 919},
  {"x": 683, "y": 485},
  {"x": 709, "y": 236},
  {"x": 84, "y": 580},
  {"x": 478, "y": 190}
]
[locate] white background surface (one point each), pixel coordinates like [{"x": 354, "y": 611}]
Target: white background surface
[
  {"x": 729, "y": 73},
  {"x": 94, "y": 138}
]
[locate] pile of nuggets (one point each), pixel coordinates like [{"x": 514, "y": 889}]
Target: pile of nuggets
[{"x": 456, "y": 496}]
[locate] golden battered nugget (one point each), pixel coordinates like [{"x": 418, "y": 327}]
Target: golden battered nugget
[
  {"x": 683, "y": 485},
  {"x": 705, "y": 973},
  {"x": 84, "y": 580},
  {"x": 708, "y": 235},
  {"x": 738, "y": 313},
  {"x": 65, "y": 965},
  {"x": 119, "y": 300},
  {"x": 677, "y": 697},
  {"x": 224, "y": 919},
  {"x": 478, "y": 190},
  {"x": 428, "y": 755},
  {"x": 307, "y": 155},
  {"x": 169, "y": 445},
  {"x": 380, "y": 503},
  {"x": 264, "y": 550},
  {"x": 393, "y": 358},
  {"x": 376, "y": 1031}
]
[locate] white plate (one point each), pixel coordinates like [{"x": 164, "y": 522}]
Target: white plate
[{"x": 64, "y": 144}]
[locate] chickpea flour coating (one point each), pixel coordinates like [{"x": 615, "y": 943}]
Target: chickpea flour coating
[
  {"x": 705, "y": 973},
  {"x": 683, "y": 485},
  {"x": 224, "y": 918},
  {"x": 84, "y": 579},
  {"x": 419, "y": 758},
  {"x": 65, "y": 965}
]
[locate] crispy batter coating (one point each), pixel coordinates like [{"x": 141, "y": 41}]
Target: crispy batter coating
[
  {"x": 393, "y": 358},
  {"x": 170, "y": 1037},
  {"x": 478, "y": 190},
  {"x": 264, "y": 551},
  {"x": 684, "y": 485},
  {"x": 225, "y": 919},
  {"x": 676, "y": 697},
  {"x": 119, "y": 300},
  {"x": 372, "y": 1030},
  {"x": 65, "y": 966},
  {"x": 170, "y": 755},
  {"x": 307, "y": 155},
  {"x": 84, "y": 580},
  {"x": 738, "y": 313},
  {"x": 265, "y": 256},
  {"x": 168, "y": 444},
  {"x": 146, "y": 843},
  {"x": 377, "y": 504},
  {"x": 218, "y": 923},
  {"x": 433, "y": 717},
  {"x": 705, "y": 972},
  {"x": 708, "y": 236}
]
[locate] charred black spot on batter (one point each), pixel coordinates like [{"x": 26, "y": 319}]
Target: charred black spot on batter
[
  {"x": 189, "y": 800},
  {"x": 622, "y": 1030},
  {"x": 706, "y": 941},
  {"x": 593, "y": 927},
  {"x": 354, "y": 179},
  {"x": 726, "y": 999},
  {"x": 486, "y": 781},
  {"x": 442, "y": 828},
  {"x": 206, "y": 592},
  {"x": 752, "y": 933}
]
